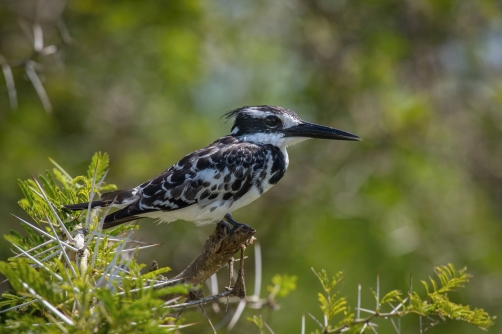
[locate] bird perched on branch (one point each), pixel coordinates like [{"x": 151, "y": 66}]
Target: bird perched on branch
[{"x": 209, "y": 184}]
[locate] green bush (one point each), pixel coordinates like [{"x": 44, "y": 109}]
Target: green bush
[{"x": 68, "y": 276}]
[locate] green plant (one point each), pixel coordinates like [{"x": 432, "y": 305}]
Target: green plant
[
  {"x": 68, "y": 276},
  {"x": 58, "y": 286},
  {"x": 434, "y": 306}
]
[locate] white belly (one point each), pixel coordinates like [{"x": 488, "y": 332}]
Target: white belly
[{"x": 210, "y": 213}]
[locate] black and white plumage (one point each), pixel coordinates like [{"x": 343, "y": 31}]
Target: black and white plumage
[{"x": 208, "y": 184}]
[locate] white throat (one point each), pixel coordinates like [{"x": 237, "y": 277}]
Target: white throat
[{"x": 276, "y": 139}]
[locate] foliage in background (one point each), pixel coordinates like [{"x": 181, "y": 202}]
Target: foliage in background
[
  {"x": 431, "y": 308},
  {"x": 419, "y": 81}
]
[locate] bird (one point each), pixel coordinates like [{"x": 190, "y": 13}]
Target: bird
[{"x": 207, "y": 185}]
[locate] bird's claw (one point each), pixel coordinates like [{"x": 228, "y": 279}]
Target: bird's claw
[
  {"x": 234, "y": 223},
  {"x": 229, "y": 224},
  {"x": 222, "y": 226}
]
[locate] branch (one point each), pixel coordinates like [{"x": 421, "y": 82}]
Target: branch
[{"x": 217, "y": 250}]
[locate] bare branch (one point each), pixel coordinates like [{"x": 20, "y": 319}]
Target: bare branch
[
  {"x": 63, "y": 30},
  {"x": 18, "y": 306},
  {"x": 38, "y": 262},
  {"x": 32, "y": 74},
  {"x": 9, "y": 81},
  {"x": 201, "y": 301},
  {"x": 237, "y": 314},
  {"x": 358, "y": 301},
  {"x": 258, "y": 269},
  {"x": 207, "y": 317},
  {"x": 34, "y": 33},
  {"x": 48, "y": 305},
  {"x": 46, "y": 234},
  {"x": 38, "y": 37}
]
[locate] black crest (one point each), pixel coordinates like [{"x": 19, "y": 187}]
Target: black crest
[{"x": 258, "y": 119}]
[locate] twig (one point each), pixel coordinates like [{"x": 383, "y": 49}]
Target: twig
[
  {"x": 367, "y": 320},
  {"x": 39, "y": 88},
  {"x": 137, "y": 248},
  {"x": 49, "y": 203},
  {"x": 240, "y": 286},
  {"x": 207, "y": 317},
  {"x": 9, "y": 81},
  {"x": 358, "y": 301},
  {"x": 230, "y": 277},
  {"x": 237, "y": 314},
  {"x": 48, "y": 305},
  {"x": 45, "y": 233},
  {"x": 268, "y": 327},
  {"x": 18, "y": 306},
  {"x": 39, "y": 246},
  {"x": 317, "y": 321},
  {"x": 67, "y": 259},
  {"x": 258, "y": 269},
  {"x": 38, "y": 38},
  {"x": 38, "y": 263},
  {"x": 154, "y": 286},
  {"x": 201, "y": 301}
]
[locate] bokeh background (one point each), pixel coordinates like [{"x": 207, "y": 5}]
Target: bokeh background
[{"x": 147, "y": 81}]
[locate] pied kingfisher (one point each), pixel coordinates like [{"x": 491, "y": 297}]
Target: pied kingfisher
[{"x": 209, "y": 184}]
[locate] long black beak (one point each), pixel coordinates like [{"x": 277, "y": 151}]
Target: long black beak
[{"x": 310, "y": 130}]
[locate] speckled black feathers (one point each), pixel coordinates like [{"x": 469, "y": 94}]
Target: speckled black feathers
[
  {"x": 224, "y": 171},
  {"x": 226, "y": 168}
]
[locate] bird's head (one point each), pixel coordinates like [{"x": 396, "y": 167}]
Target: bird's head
[{"x": 279, "y": 127}]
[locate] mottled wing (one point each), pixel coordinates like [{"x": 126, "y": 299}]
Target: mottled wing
[
  {"x": 221, "y": 171},
  {"x": 218, "y": 173}
]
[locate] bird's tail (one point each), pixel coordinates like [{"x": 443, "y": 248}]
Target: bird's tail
[
  {"x": 119, "y": 217},
  {"x": 114, "y": 198},
  {"x": 85, "y": 206}
]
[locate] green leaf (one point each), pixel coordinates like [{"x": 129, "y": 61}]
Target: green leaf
[
  {"x": 258, "y": 321},
  {"x": 61, "y": 175},
  {"x": 98, "y": 166},
  {"x": 282, "y": 285},
  {"x": 49, "y": 191},
  {"x": 155, "y": 273},
  {"x": 394, "y": 295},
  {"x": 27, "y": 193}
]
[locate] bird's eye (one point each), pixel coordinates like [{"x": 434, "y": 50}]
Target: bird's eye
[{"x": 271, "y": 121}]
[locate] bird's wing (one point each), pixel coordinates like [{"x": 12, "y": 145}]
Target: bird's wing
[{"x": 223, "y": 170}]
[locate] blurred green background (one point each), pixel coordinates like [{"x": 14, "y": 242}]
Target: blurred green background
[{"x": 419, "y": 80}]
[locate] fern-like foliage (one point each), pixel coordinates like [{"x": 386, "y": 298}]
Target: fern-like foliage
[
  {"x": 435, "y": 305},
  {"x": 331, "y": 304},
  {"x": 69, "y": 277},
  {"x": 282, "y": 286}
]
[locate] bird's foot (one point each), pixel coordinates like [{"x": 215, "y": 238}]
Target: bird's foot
[
  {"x": 230, "y": 225},
  {"x": 223, "y": 226},
  {"x": 231, "y": 221}
]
